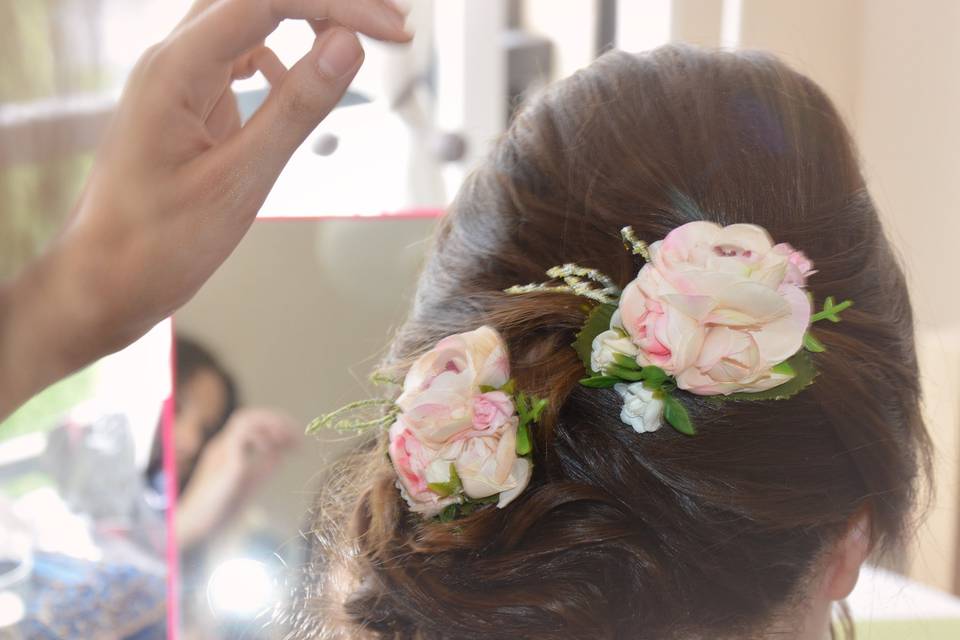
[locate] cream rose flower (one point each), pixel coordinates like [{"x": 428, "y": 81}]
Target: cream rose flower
[
  {"x": 489, "y": 465},
  {"x": 611, "y": 343},
  {"x": 641, "y": 409},
  {"x": 485, "y": 465},
  {"x": 608, "y": 345},
  {"x": 718, "y": 307}
]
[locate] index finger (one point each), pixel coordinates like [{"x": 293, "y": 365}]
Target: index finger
[
  {"x": 228, "y": 28},
  {"x": 195, "y": 9}
]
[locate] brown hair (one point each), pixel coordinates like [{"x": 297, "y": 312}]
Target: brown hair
[{"x": 658, "y": 535}]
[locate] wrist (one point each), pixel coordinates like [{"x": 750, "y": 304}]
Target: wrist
[{"x": 47, "y": 327}]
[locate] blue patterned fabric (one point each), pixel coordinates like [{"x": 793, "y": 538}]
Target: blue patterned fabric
[{"x": 71, "y": 599}]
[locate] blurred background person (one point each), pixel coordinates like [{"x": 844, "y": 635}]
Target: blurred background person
[{"x": 223, "y": 452}]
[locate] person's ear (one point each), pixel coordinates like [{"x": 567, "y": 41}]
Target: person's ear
[{"x": 849, "y": 553}]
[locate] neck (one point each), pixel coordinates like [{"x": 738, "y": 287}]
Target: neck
[{"x": 809, "y": 622}]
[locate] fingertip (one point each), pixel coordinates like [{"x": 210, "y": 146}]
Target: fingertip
[
  {"x": 339, "y": 53},
  {"x": 402, "y": 7},
  {"x": 398, "y": 22},
  {"x": 405, "y": 30},
  {"x": 408, "y": 34}
]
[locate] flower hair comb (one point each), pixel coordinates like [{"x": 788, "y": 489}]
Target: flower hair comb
[
  {"x": 459, "y": 434},
  {"x": 714, "y": 311}
]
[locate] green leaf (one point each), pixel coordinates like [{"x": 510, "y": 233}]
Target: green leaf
[
  {"x": 448, "y": 488},
  {"x": 523, "y": 407},
  {"x": 528, "y": 414},
  {"x": 449, "y": 513},
  {"x": 600, "y": 382},
  {"x": 810, "y": 343},
  {"x": 469, "y": 505},
  {"x": 804, "y": 373},
  {"x": 539, "y": 404},
  {"x": 654, "y": 375},
  {"x": 442, "y": 489},
  {"x": 625, "y": 361},
  {"x": 677, "y": 416},
  {"x": 784, "y": 368},
  {"x": 508, "y": 388},
  {"x": 597, "y": 322},
  {"x": 524, "y": 446},
  {"x": 831, "y": 311},
  {"x": 624, "y": 374}
]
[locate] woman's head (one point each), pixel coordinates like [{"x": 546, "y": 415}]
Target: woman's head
[
  {"x": 206, "y": 396},
  {"x": 657, "y": 535}
]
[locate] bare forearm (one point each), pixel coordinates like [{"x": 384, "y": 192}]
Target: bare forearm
[
  {"x": 177, "y": 181},
  {"x": 48, "y": 327}
]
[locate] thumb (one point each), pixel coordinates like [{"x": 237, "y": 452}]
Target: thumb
[{"x": 294, "y": 108}]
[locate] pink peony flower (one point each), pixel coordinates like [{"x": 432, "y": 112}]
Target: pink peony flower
[
  {"x": 449, "y": 422},
  {"x": 492, "y": 410},
  {"x": 438, "y": 391},
  {"x": 718, "y": 307},
  {"x": 799, "y": 266},
  {"x": 411, "y": 460}
]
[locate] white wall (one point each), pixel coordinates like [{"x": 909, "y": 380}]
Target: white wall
[
  {"x": 909, "y": 133},
  {"x": 908, "y": 104},
  {"x": 891, "y": 68}
]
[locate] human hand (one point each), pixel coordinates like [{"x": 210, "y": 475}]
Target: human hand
[
  {"x": 177, "y": 181},
  {"x": 235, "y": 461}
]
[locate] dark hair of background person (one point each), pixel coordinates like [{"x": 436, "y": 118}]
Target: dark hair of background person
[
  {"x": 190, "y": 358},
  {"x": 658, "y": 535}
]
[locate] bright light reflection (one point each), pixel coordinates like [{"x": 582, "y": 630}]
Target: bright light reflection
[
  {"x": 12, "y": 609},
  {"x": 240, "y": 588}
]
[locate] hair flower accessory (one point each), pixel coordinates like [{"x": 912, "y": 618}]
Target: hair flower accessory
[
  {"x": 715, "y": 311},
  {"x": 459, "y": 434}
]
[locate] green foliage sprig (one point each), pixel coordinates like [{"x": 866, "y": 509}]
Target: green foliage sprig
[
  {"x": 831, "y": 311},
  {"x": 357, "y": 416}
]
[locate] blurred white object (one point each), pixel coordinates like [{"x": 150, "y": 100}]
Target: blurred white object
[
  {"x": 16, "y": 549},
  {"x": 380, "y": 164},
  {"x": 12, "y": 609},
  {"x": 134, "y": 382},
  {"x": 56, "y": 529},
  {"x": 367, "y": 159},
  {"x": 240, "y": 587}
]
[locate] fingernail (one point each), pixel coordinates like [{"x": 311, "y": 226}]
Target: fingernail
[{"x": 339, "y": 54}]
